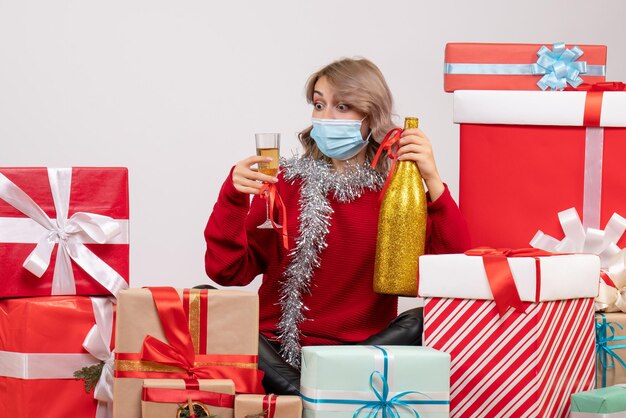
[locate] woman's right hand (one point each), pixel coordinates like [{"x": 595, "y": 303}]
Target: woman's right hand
[{"x": 248, "y": 179}]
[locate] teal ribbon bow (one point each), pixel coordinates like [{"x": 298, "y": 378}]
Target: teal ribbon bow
[
  {"x": 559, "y": 67},
  {"x": 388, "y": 407},
  {"x": 605, "y": 333}
]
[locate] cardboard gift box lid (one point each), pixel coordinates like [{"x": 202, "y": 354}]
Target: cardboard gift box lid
[
  {"x": 555, "y": 108},
  {"x": 537, "y": 279},
  {"x": 500, "y": 66}
]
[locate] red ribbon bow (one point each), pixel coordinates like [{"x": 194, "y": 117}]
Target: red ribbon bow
[
  {"x": 180, "y": 352},
  {"x": 593, "y": 101},
  {"x": 499, "y": 275},
  {"x": 269, "y": 191},
  {"x": 392, "y": 138}
]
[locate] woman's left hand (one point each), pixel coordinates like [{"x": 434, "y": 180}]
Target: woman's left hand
[{"x": 414, "y": 145}]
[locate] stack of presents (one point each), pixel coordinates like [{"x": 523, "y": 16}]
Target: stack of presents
[{"x": 528, "y": 324}]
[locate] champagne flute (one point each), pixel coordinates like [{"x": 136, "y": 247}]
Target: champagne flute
[{"x": 267, "y": 145}]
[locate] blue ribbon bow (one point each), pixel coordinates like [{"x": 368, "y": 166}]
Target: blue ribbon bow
[
  {"x": 388, "y": 407},
  {"x": 603, "y": 350},
  {"x": 559, "y": 67}
]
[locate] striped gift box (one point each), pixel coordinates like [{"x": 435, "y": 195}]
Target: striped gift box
[{"x": 519, "y": 364}]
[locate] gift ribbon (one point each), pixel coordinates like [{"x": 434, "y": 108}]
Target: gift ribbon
[
  {"x": 500, "y": 277},
  {"x": 579, "y": 239},
  {"x": 603, "y": 243},
  {"x": 593, "y": 99},
  {"x": 269, "y": 405},
  {"x": 196, "y": 304},
  {"x": 612, "y": 290},
  {"x": 269, "y": 191},
  {"x": 558, "y": 66},
  {"x": 384, "y": 402},
  {"x": 178, "y": 359},
  {"x": 389, "y": 143},
  {"x": 605, "y": 334},
  {"x": 163, "y": 395},
  {"x": 97, "y": 343},
  {"x": 68, "y": 233}
]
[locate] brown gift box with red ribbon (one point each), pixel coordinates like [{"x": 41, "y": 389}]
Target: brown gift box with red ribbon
[
  {"x": 526, "y": 156},
  {"x": 166, "y": 333},
  {"x": 268, "y": 406},
  {"x": 164, "y": 398}
]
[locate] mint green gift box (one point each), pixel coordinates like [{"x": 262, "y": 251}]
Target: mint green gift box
[
  {"x": 608, "y": 402},
  {"x": 338, "y": 381}
]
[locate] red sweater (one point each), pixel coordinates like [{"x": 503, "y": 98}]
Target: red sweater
[{"x": 342, "y": 307}]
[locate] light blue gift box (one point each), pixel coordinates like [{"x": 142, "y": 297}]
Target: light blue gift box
[
  {"x": 375, "y": 381},
  {"x": 608, "y": 402}
]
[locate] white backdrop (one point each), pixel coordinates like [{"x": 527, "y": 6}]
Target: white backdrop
[{"x": 175, "y": 89}]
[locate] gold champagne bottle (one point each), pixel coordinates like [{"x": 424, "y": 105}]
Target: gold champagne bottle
[{"x": 401, "y": 229}]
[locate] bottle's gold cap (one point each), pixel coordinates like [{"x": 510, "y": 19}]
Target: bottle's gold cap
[{"x": 410, "y": 123}]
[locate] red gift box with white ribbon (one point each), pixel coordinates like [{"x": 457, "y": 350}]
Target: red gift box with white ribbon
[
  {"x": 518, "y": 325},
  {"x": 63, "y": 231},
  {"x": 43, "y": 342},
  {"x": 525, "y": 156}
]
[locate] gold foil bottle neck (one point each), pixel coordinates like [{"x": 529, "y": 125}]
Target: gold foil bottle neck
[{"x": 411, "y": 123}]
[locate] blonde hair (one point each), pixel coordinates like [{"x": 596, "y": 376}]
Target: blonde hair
[{"x": 362, "y": 85}]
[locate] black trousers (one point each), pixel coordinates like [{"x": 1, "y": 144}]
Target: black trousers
[{"x": 283, "y": 379}]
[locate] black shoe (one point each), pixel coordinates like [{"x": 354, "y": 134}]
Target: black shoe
[
  {"x": 406, "y": 329},
  {"x": 280, "y": 377}
]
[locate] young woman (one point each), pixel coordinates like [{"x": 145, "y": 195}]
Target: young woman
[{"x": 320, "y": 290}]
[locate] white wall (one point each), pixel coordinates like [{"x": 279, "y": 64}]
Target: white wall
[{"x": 175, "y": 89}]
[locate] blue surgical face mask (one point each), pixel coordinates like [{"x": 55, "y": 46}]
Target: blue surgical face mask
[{"x": 338, "y": 138}]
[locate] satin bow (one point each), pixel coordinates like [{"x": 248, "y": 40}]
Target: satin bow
[
  {"x": 594, "y": 241},
  {"x": 559, "y": 67},
  {"x": 580, "y": 240},
  {"x": 180, "y": 353},
  {"x": 68, "y": 233},
  {"x": 97, "y": 343},
  {"x": 388, "y": 407}
]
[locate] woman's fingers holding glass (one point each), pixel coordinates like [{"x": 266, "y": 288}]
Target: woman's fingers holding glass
[{"x": 247, "y": 179}]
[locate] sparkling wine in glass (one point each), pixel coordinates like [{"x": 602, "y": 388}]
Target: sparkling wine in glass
[{"x": 268, "y": 145}]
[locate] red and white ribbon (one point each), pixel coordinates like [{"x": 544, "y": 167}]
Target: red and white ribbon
[{"x": 70, "y": 234}]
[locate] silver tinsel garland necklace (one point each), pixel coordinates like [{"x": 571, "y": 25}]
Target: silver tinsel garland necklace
[{"x": 319, "y": 180}]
